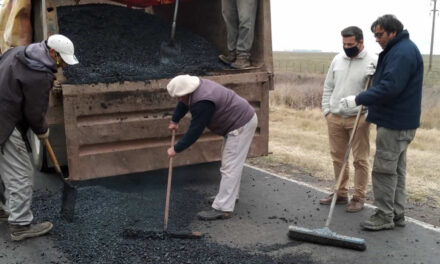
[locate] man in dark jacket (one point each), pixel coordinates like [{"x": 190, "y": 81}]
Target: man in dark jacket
[
  {"x": 224, "y": 113},
  {"x": 394, "y": 105},
  {"x": 26, "y": 78}
]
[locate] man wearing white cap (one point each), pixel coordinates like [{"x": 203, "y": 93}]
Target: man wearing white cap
[
  {"x": 224, "y": 113},
  {"x": 26, "y": 78}
]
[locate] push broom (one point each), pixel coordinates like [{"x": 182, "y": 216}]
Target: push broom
[{"x": 324, "y": 235}]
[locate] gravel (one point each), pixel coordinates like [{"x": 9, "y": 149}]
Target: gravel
[
  {"x": 116, "y": 44},
  {"x": 107, "y": 208}
]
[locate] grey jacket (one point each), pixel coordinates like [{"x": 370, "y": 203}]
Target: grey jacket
[{"x": 26, "y": 78}]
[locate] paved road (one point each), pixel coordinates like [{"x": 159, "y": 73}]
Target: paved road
[{"x": 267, "y": 206}]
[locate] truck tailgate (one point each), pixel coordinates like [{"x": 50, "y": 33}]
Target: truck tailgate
[{"x": 120, "y": 128}]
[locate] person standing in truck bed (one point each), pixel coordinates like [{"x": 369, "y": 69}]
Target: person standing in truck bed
[{"x": 239, "y": 16}]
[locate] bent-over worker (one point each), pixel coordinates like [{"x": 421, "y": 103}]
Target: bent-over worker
[
  {"x": 224, "y": 113},
  {"x": 26, "y": 78}
]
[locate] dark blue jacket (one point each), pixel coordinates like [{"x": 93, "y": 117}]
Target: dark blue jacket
[{"x": 394, "y": 100}]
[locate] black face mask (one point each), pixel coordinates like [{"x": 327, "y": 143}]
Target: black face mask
[{"x": 352, "y": 52}]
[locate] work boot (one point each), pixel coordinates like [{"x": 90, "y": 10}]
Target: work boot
[
  {"x": 20, "y": 232},
  {"x": 328, "y": 200},
  {"x": 242, "y": 61},
  {"x": 212, "y": 198},
  {"x": 377, "y": 222},
  {"x": 214, "y": 214},
  {"x": 355, "y": 205},
  {"x": 3, "y": 216},
  {"x": 228, "y": 59},
  {"x": 399, "y": 220}
]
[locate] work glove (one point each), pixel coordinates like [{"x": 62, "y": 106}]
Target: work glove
[
  {"x": 347, "y": 103},
  {"x": 44, "y": 135},
  {"x": 371, "y": 69}
]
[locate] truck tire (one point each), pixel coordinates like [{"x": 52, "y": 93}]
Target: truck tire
[{"x": 38, "y": 156}]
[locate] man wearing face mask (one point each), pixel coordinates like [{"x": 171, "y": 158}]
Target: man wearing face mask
[
  {"x": 347, "y": 76},
  {"x": 394, "y": 101}
]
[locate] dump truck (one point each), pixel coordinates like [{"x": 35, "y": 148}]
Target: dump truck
[{"x": 106, "y": 129}]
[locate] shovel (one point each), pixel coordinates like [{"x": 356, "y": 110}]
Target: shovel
[
  {"x": 170, "y": 49},
  {"x": 157, "y": 235},
  {"x": 167, "y": 204},
  {"x": 69, "y": 191}
]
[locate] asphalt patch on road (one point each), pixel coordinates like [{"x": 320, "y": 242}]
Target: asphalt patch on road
[
  {"x": 116, "y": 44},
  {"x": 107, "y": 208}
]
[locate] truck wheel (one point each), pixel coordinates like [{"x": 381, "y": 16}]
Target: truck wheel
[{"x": 38, "y": 152}]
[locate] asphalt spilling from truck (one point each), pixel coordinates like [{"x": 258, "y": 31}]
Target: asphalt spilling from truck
[
  {"x": 119, "y": 220},
  {"x": 116, "y": 44}
]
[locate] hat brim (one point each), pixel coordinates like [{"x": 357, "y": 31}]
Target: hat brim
[{"x": 69, "y": 59}]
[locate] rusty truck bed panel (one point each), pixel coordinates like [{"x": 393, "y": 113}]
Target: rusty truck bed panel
[{"x": 123, "y": 128}]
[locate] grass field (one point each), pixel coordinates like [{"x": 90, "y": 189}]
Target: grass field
[{"x": 298, "y": 132}]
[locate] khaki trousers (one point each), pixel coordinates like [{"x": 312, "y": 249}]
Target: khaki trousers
[
  {"x": 239, "y": 16},
  {"x": 234, "y": 152},
  {"x": 389, "y": 170},
  {"x": 339, "y": 131},
  {"x": 16, "y": 173}
]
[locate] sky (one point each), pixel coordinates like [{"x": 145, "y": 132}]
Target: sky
[{"x": 317, "y": 24}]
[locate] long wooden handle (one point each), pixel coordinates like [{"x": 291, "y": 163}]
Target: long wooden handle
[
  {"x": 347, "y": 154},
  {"x": 173, "y": 26},
  {"x": 170, "y": 174},
  {"x": 52, "y": 156}
]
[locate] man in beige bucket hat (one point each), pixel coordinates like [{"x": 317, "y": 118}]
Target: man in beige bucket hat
[{"x": 225, "y": 113}]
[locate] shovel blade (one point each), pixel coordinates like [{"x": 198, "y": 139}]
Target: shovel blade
[
  {"x": 169, "y": 52},
  {"x": 68, "y": 202}
]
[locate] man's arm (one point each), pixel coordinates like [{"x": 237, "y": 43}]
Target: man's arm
[
  {"x": 394, "y": 79},
  {"x": 179, "y": 112},
  {"x": 201, "y": 115},
  {"x": 36, "y": 102},
  {"x": 329, "y": 86}
]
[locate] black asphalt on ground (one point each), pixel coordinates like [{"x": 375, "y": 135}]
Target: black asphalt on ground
[
  {"x": 256, "y": 234},
  {"x": 116, "y": 44}
]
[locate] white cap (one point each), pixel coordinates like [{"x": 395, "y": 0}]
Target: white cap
[
  {"x": 64, "y": 47},
  {"x": 182, "y": 85}
]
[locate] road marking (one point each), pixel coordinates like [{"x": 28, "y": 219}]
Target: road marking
[{"x": 408, "y": 219}]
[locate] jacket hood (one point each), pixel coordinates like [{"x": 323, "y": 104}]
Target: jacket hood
[{"x": 36, "y": 57}]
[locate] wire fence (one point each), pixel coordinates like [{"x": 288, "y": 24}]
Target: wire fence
[{"x": 300, "y": 67}]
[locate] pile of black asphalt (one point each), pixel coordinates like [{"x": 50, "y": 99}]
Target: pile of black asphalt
[
  {"x": 119, "y": 220},
  {"x": 116, "y": 44}
]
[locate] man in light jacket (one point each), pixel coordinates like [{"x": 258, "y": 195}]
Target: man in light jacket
[{"x": 347, "y": 75}]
